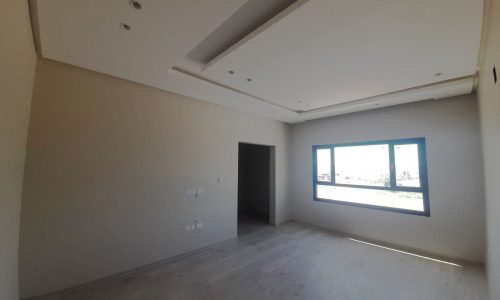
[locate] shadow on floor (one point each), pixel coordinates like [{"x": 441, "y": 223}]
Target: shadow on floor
[{"x": 249, "y": 222}]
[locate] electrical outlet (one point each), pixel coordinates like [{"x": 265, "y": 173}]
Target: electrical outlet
[
  {"x": 196, "y": 226},
  {"x": 192, "y": 192}
]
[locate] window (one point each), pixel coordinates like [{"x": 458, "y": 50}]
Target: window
[{"x": 389, "y": 175}]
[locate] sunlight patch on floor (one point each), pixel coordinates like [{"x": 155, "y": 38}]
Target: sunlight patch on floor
[{"x": 408, "y": 253}]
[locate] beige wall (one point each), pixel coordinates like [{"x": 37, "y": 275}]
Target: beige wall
[
  {"x": 17, "y": 69},
  {"x": 451, "y": 128},
  {"x": 489, "y": 106},
  {"x": 107, "y": 171}
]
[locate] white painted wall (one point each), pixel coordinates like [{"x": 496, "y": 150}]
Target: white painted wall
[
  {"x": 108, "y": 166},
  {"x": 489, "y": 107},
  {"x": 451, "y": 129},
  {"x": 17, "y": 70}
]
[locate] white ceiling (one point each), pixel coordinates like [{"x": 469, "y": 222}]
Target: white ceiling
[
  {"x": 88, "y": 33},
  {"x": 306, "y": 59}
]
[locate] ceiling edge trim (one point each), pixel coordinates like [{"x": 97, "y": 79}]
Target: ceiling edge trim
[
  {"x": 216, "y": 93},
  {"x": 197, "y": 87},
  {"x": 415, "y": 94},
  {"x": 188, "y": 73}
]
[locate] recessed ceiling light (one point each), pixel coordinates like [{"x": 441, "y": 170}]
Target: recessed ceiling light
[
  {"x": 438, "y": 74},
  {"x": 231, "y": 72},
  {"x": 125, "y": 26},
  {"x": 299, "y": 101},
  {"x": 135, "y": 4},
  {"x": 249, "y": 79}
]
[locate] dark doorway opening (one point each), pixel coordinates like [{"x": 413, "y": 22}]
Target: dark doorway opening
[{"x": 255, "y": 177}]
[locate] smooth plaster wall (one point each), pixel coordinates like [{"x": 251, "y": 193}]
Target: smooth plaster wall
[
  {"x": 489, "y": 107},
  {"x": 108, "y": 167},
  {"x": 17, "y": 70},
  {"x": 451, "y": 127}
]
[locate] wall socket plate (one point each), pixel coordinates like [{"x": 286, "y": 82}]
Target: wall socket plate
[
  {"x": 196, "y": 226},
  {"x": 195, "y": 192}
]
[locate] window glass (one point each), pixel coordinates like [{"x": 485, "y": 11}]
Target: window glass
[
  {"x": 362, "y": 165},
  {"x": 324, "y": 165},
  {"x": 395, "y": 199},
  {"x": 407, "y": 167}
]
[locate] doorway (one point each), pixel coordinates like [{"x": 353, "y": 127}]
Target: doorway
[{"x": 255, "y": 187}]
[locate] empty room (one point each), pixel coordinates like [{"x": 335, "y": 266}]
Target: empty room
[{"x": 249, "y": 149}]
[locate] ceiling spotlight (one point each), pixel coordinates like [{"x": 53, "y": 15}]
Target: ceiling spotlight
[
  {"x": 125, "y": 26},
  {"x": 438, "y": 74},
  {"x": 299, "y": 101},
  {"x": 249, "y": 79},
  {"x": 231, "y": 72},
  {"x": 135, "y": 4}
]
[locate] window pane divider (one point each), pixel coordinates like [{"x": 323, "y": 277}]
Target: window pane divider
[
  {"x": 373, "y": 187},
  {"x": 392, "y": 167},
  {"x": 332, "y": 169}
]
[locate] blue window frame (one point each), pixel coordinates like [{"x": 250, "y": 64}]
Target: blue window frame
[{"x": 388, "y": 175}]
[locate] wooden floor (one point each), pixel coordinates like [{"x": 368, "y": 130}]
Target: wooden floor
[{"x": 292, "y": 261}]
